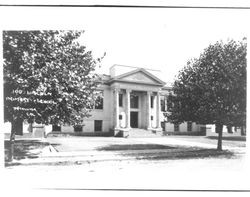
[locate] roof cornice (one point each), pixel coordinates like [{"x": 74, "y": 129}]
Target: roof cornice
[
  {"x": 119, "y": 78},
  {"x": 133, "y": 82}
]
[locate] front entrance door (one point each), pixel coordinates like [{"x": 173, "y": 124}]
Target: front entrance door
[{"x": 134, "y": 119}]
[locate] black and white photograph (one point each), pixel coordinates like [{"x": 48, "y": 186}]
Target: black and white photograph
[{"x": 124, "y": 97}]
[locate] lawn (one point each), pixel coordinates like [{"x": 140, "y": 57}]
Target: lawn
[
  {"x": 163, "y": 152},
  {"x": 230, "y": 138},
  {"x": 24, "y": 148}
]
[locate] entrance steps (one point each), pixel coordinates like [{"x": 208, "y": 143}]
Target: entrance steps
[{"x": 134, "y": 132}]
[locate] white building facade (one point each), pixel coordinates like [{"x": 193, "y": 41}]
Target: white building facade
[{"x": 131, "y": 98}]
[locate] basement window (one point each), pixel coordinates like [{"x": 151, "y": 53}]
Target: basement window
[
  {"x": 78, "y": 128},
  {"x": 189, "y": 126},
  {"x": 56, "y": 128},
  {"x": 176, "y": 127},
  {"x": 98, "y": 125}
]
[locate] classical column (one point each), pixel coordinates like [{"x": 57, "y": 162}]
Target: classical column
[
  {"x": 128, "y": 108},
  {"x": 166, "y": 103},
  {"x": 149, "y": 110},
  {"x": 116, "y": 99},
  {"x": 158, "y": 110}
]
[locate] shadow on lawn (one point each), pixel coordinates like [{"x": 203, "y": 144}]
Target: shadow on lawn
[
  {"x": 119, "y": 147},
  {"x": 23, "y": 149},
  {"x": 230, "y": 138},
  {"x": 161, "y": 152}
]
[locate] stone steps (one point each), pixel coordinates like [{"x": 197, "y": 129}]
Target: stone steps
[{"x": 143, "y": 133}]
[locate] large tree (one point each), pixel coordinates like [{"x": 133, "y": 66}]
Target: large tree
[
  {"x": 48, "y": 78},
  {"x": 212, "y": 88}
]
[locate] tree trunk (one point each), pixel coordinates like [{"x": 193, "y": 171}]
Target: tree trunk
[
  {"x": 243, "y": 131},
  {"x": 219, "y": 128},
  {"x": 16, "y": 129},
  {"x": 12, "y": 142}
]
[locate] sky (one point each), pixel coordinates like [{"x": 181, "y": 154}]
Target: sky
[
  {"x": 158, "y": 38},
  {"x": 162, "y": 39}
]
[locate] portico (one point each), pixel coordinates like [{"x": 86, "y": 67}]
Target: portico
[
  {"x": 136, "y": 102},
  {"x": 142, "y": 113}
]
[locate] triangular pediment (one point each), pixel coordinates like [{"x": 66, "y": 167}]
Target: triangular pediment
[{"x": 140, "y": 76}]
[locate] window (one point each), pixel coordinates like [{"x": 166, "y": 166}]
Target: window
[
  {"x": 56, "y": 128},
  {"x": 170, "y": 103},
  {"x": 120, "y": 117},
  {"x": 152, "y": 101},
  {"x": 189, "y": 126},
  {"x": 120, "y": 100},
  {"x": 134, "y": 101},
  {"x": 163, "y": 126},
  {"x": 229, "y": 129},
  {"x": 78, "y": 128},
  {"x": 163, "y": 103},
  {"x": 152, "y": 117},
  {"x": 99, "y": 100},
  {"x": 98, "y": 125},
  {"x": 176, "y": 127}
]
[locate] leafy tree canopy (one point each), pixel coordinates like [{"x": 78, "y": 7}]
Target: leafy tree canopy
[
  {"x": 212, "y": 88},
  {"x": 48, "y": 77}
]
